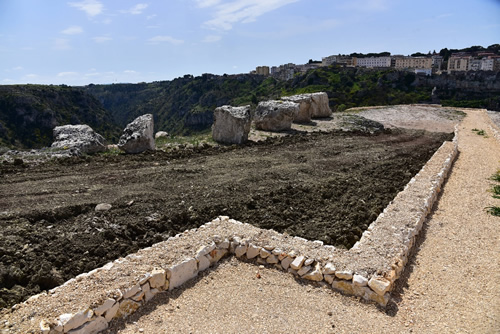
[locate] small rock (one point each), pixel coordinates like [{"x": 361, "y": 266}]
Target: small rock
[
  {"x": 329, "y": 269},
  {"x": 264, "y": 253},
  {"x": 359, "y": 280},
  {"x": 344, "y": 274},
  {"x": 297, "y": 262},
  {"x": 252, "y": 251},
  {"x": 103, "y": 207}
]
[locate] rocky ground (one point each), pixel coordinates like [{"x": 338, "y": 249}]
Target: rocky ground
[{"x": 295, "y": 184}]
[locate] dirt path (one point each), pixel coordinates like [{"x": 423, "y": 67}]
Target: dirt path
[{"x": 451, "y": 284}]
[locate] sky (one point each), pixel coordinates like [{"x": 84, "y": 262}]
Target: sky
[{"x": 79, "y": 42}]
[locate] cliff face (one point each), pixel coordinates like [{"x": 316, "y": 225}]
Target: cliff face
[{"x": 28, "y": 114}]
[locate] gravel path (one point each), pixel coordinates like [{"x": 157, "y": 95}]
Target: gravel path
[{"x": 451, "y": 285}]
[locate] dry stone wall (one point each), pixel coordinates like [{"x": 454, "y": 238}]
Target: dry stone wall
[{"x": 368, "y": 270}]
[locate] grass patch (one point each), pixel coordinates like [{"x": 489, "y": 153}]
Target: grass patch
[
  {"x": 493, "y": 210},
  {"x": 496, "y": 176},
  {"x": 496, "y": 191},
  {"x": 195, "y": 140},
  {"x": 479, "y": 132}
]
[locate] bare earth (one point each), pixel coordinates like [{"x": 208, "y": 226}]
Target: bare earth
[{"x": 451, "y": 284}]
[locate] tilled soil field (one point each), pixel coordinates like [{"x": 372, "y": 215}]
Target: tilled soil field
[{"x": 324, "y": 186}]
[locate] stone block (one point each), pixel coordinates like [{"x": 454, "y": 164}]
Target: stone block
[
  {"x": 272, "y": 259},
  {"x": 329, "y": 278},
  {"x": 303, "y": 270},
  {"x": 275, "y": 115},
  {"x": 183, "y": 272},
  {"x": 108, "y": 303},
  {"x": 315, "y": 274},
  {"x": 344, "y": 274},
  {"x": 127, "y": 307},
  {"x": 95, "y": 326},
  {"x": 285, "y": 263},
  {"x": 359, "y": 280},
  {"x": 240, "y": 250},
  {"x": 252, "y": 251},
  {"x": 380, "y": 285},
  {"x": 203, "y": 262},
  {"x": 131, "y": 291},
  {"x": 231, "y": 124},
  {"x": 72, "y": 321},
  {"x": 158, "y": 278},
  {"x": 297, "y": 262},
  {"x": 138, "y": 136},
  {"x": 329, "y": 269},
  {"x": 264, "y": 253},
  {"x": 111, "y": 313}
]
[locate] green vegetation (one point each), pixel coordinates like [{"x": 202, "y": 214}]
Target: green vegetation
[
  {"x": 195, "y": 139},
  {"x": 495, "y": 210},
  {"x": 479, "y": 132}
]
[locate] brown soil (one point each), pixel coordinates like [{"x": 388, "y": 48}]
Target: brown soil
[{"x": 325, "y": 186}]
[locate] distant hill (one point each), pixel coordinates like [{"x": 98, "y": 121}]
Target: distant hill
[
  {"x": 28, "y": 114},
  {"x": 185, "y": 105}
]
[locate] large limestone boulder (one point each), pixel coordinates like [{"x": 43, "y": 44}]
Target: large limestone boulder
[
  {"x": 275, "y": 115},
  {"x": 80, "y": 137},
  {"x": 320, "y": 105},
  {"x": 138, "y": 136},
  {"x": 231, "y": 124},
  {"x": 305, "y": 111},
  {"x": 161, "y": 134}
]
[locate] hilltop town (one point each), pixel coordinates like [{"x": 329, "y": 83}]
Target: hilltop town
[{"x": 474, "y": 59}]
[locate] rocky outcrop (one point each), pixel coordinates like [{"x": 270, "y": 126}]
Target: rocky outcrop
[
  {"x": 231, "y": 124},
  {"x": 79, "y": 137},
  {"x": 138, "y": 135},
  {"x": 275, "y": 115},
  {"x": 320, "y": 105},
  {"x": 161, "y": 134},
  {"x": 305, "y": 111}
]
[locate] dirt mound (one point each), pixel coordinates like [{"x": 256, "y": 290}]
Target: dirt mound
[{"x": 325, "y": 186}]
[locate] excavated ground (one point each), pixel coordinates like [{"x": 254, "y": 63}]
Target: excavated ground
[{"x": 324, "y": 186}]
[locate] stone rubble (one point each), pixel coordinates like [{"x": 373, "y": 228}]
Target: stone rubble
[{"x": 403, "y": 218}]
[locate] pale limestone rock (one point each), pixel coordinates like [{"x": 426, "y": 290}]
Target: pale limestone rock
[
  {"x": 216, "y": 255},
  {"x": 138, "y": 297},
  {"x": 275, "y": 115},
  {"x": 272, "y": 259},
  {"x": 183, "y": 272},
  {"x": 269, "y": 248},
  {"x": 76, "y": 320},
  {"x": 103, "y": 207},
  {"x": 127, "y": 307},
  {"x": 329, "y": 269},
  {"x": 111, "y": 313},
  {"x": 305, "y": 111},
  {"x": 45, "y": 326},
  {"x": 158, "y": 278},
  {"x": 359, "y": 280},
  {"x": 161, "y": 134},
  {"x": 297, "y": 262},
  {"x": 79, "y": 137},
  {"x": 131, "y": 291},
  {"x": 264, "y": 253},
  {"x": 329, "y": 278},
  {"x": 344, "y": 274},
  {"x": 231, "y": 124},
  {"x": 144, "y": 278},
  {"x": 204, "y": 250},
  {"x": 277, "y": 251},
  {"x": 380, "y": 285},
  {"x": 138, "y": 135},
  {"x": 261, "y": 260},
  {"x": 108, "y": 303},
  {"x": 95, "y": 326},
  {"x": 320, "y": 105},
  {"x": 308, "y": 262},
  {"x": 292, "y": 271},
  {"x": 203, "y": 262},
  {"x": 285, "y": 263},
  {"x": 224, "y": 244},
  {"x": 145, "y": 287},
  {"x": 315, "y": 274},
  {"x": 252, "y": 251},
  {"x": 240, "y": 250},
  {"x": 281, "y": 256},
  {"x": 303, "y": 270}
]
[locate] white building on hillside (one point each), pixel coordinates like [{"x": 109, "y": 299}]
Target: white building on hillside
[{"x": 374, "y": 62}]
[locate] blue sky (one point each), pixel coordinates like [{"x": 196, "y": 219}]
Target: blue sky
[{"x": 78, "y": 42}]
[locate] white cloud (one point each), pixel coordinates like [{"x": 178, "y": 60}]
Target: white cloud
[
  {"x": 207, "y": 3},
  {"x": 102, "y": 39},
  {"x": 91, "y": 7},
  {"x": 30, "y": 76},
  {"x": 18, "y": 68},
  {"x": 67, "y": 74},
  {"x": 130, "y": 72},
  {"x": 61, "y": 44},
  {"x": 73, "y": 30},
  {"x": 169, "y": 39},
  {"x": 212, "y": 39},
  {"x": 244, "y": 11},
  {"x": 137, "y": 9},
  {"x": 151, "y": 16}
]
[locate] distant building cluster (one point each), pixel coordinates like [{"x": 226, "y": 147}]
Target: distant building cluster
[{"x": 432, "y": 63}]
